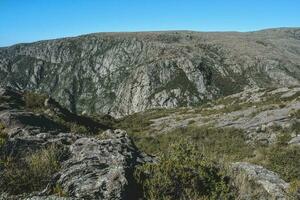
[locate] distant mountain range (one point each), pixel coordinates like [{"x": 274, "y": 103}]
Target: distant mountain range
[{"x": 123, "y": 73}]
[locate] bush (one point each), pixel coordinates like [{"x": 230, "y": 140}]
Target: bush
[
  {"x": 34, "y": 100},
  {"x": 3, "y": 136},
  {"x": 285, "y": 161},
  {"x": 294, "y": 189},
  {"x": 31, "y": 173},
  {"x": 182, "y": 173},
  {"x": 76, "y": 128}
]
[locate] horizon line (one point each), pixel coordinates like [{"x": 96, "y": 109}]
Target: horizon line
[{"x": 146, "y": 31}]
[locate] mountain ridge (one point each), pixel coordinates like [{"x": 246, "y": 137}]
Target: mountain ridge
[{"x": 123, "y": 73}]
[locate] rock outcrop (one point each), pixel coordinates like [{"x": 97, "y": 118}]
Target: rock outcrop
[
  {"x": 123, "y": 73},
  {"x": 256, "y": 182},
  {"x": 98, "y": 167}
]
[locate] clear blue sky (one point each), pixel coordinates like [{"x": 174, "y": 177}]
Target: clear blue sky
[{"x": 31, "y": 20}]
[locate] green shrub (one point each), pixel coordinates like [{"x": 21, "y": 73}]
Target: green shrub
[
  {"x": 58, "y": 191},
  {"x": 3, "y": 136},
  {"x": 76, "y": 128},
  {"x": 294, "y": 189},
  {"x": 295, "y": 113},
  {"x": 182, "y": 173},
  {"x": 33, "y": 100},
  {"x": 217, "y": 143},
  {"x": 285, "y": 161},
  {"x": 31, "y": 173}
]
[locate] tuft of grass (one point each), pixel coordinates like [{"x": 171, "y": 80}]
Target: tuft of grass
[
  {"x": 295, "y": 113},
  {"x": 31, "y": 173},
  {"x": 59, "y": 191},
  {"x": 34, "y": 101},
  {"x": 3, "y": 135},
  {"x": 79, "y": 129},
  {"x": 294, "y": 189}
]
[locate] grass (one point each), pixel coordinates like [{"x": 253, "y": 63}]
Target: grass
[
  {"x": 3, "y": 135},
  {"x": 227, "y": 145},
  {"x": 214, "y": 142},
  {"x": 34, "y": 101},
  {"x": 31, "y": 173},
  {"x": 183, "y": 173}
]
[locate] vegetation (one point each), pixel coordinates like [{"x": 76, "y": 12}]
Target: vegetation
[
  {"x": 3, "y": 136},
  {"x": 31, "y": 173},
  {"x": 183, "y": 173},
  {"x": 34, "y": 101}
]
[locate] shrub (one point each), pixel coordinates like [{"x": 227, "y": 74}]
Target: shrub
[
  {"x": 34, "y": 100},
  {"x": 295, "y": 113},
  {"x": 58, "y": 191},
  {"x": 31, "y": 173},
  {"x": 3, "y": 136},
  {"x": 285, "y": 161},
  {"x": 182, "y": 173},
  {"x": 76, "y": 128},
  {"x": 294, "y": 189}
]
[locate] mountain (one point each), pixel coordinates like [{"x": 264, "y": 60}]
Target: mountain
[{"x": 123, "y": 73}]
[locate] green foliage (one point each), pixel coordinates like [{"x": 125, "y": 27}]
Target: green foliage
[
  {"x": 295, "y": 113},
  {"x": 140, "y": 122},
  {"x": 34, "y": 101},
  {"x": 285, "y": 161},
  {"x": 3, "y": 136},
  {"x": 31, "y": 173},
  {"x": 182, "y": 173},
  {"x": 58, "y": 191},
  {"x": 219, "y": 143},
  {"x": 294, "y": 189},
  {"x": 76, "y": 128}
]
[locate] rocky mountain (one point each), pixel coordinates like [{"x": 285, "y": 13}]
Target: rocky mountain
[{"x": 123, "y": 73}]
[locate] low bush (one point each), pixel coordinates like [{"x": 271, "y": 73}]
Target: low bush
[
  {"x": 220, "y": 143},
  {"x": 285, "y": 161},
  {"x": 34, "y": 101},
  {"x": 3, "y": 136},
  {"x": 182, "y": 173}
]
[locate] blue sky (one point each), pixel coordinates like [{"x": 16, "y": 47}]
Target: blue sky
[{"x": 31, "y": 20}]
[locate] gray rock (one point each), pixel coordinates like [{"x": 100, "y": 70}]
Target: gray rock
[
  {"x": 256, "y": 182},
  {"x": 100, "y": 169},
  {"x": 295, "y": 140},
  {"x": 123, "y": 73},
  {"x": 93, "y": 168}
]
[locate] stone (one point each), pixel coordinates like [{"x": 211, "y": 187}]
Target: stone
[
  {"x": 295, "y": 140},
  {"x": 256, "y": 182},
  {"x": 92, "y": 167}
]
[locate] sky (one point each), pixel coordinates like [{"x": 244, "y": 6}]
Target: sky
[{"x": 32, "y": 20}]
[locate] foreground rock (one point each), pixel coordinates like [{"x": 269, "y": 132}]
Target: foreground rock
[
  {"x": 93, "y": 167},
  {"x": 256, "y": 182}
]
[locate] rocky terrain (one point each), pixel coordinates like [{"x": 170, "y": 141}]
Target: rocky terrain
[
  {"x": 123, "y": 73},
  {"x": 90, "y": 167},
  {"x": 152, "y": 115},
  {"x": 77, "y": 157}
]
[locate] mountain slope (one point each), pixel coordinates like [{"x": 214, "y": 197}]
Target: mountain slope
[{"x": 123, "y": 73}]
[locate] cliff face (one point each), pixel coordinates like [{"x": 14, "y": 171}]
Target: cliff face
[{"x": 122, "y": 73}]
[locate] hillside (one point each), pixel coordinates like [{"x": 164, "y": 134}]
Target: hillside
[
  {"x": 123, "y": 73},
  {"x": 243, "y": 146}
]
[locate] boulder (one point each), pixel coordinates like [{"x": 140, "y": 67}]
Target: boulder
[{"x": 256, "y": 182}]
